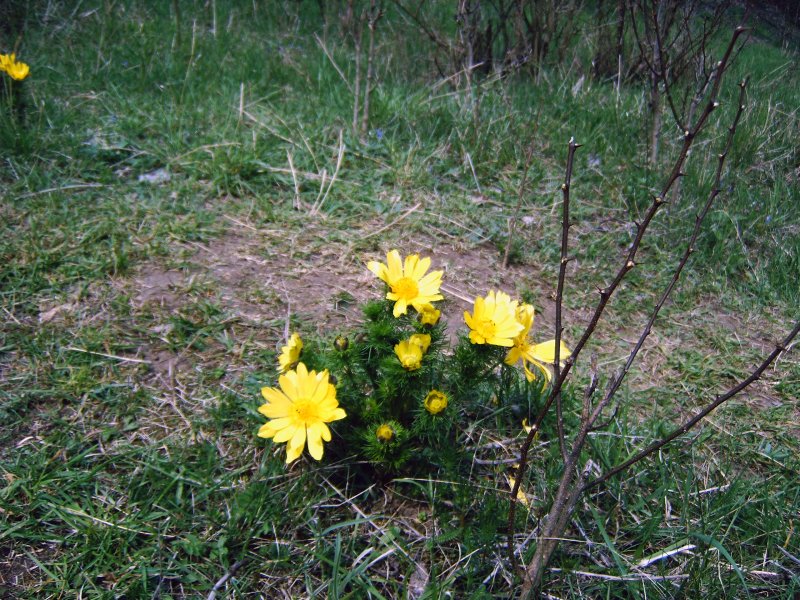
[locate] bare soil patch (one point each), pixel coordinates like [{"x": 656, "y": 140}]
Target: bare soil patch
[{"x": 264, "y": 276}]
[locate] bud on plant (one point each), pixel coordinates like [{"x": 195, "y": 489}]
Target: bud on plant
[
  {"x": 341, "y": 343},
  {"x": 435, "y": 402},
  {"x": 384, "y": 433}
]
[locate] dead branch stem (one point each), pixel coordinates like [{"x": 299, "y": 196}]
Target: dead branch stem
[
  {"x": 605, "y": 295},
  {"x": 780, "y": 348}
]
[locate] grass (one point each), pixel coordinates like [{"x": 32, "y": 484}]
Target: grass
[{"x": 141, "y": 318}]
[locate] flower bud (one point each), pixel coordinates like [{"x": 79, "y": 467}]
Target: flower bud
[
  {"x": 384, "y": 433},
  {"x": 435, "y": 402}
]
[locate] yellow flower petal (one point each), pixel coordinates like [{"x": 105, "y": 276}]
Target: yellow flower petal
[
  {"x": 290, "y": 353},
  {"x": 314, "y": 439},
  {"x": 276, "y": 410},
  {"x": 294, "y": 448},
  {"x": 531, "y": 376},
  {"x": 435, "y": 402},
  {"x": 546, "y": 351},
  {"x": 266, "y": 431},
  {"x": 409, "y": 354},
  {"x": 325, "y": 431},
  {"x": 423, "y": 340},
  {"x": 400, "y": 307},
  {"x": 428, "y": 315},
  {"x": 523, "y": 499},
  {"x": 285, "y": 432}
]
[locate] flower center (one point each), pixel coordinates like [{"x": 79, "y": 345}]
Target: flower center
[
  {"x": 406, "y": 288},
  {"x": 488, "y": 328},
  {"x": 306, "y": 411}
]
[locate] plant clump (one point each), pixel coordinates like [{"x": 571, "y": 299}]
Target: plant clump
[{"x": 400, "y": 394}]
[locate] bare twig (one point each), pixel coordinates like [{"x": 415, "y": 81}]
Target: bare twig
[
  {"x": 112, "y": 356},
  {"x": 572, "y": 484},
  {"x": 565, "y": 225},
  {"x": 297, "y": 205},
  {"x": 357, "y": 34},
  {"x": 562, "y": 275},
  {"x": 715, "y": 190},
  {"x": 224, "y": 579},
  {"x": 333, "y": 62},
  {"x": 474, "y": 174},
  {"x": 655, "y": 446},
  {"x": 607, "y": 292},
  {"x": 64, "y": 188}
]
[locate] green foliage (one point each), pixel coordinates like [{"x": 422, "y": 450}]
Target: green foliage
[{"x": 426, "y": 406}]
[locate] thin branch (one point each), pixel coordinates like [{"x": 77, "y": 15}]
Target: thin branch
[
  {"x": 297, "y": 204},
  {"x": 357, "y": 35},
  {"x": 422, "y": 24},
  {"x": 374, "y": 17},
  {"x": 562, "y": 275},
  {"x": 607, "y": 292},
  {"x": 224, "y": 579},
  {"x": 333, "y": 62},
  {"x": 715, "y": 190},
  {"x": 662, "y": 71},
  {"x": 318, "y": 204},
  {"x": 784, "y": 346}
]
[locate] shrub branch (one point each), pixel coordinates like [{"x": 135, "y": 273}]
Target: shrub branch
[
  {"x": 573, "y": 482},
  {"x": 780, "y": 348}
]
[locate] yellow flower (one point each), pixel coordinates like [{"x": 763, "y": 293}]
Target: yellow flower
[
  {"x": 17, "y": 70},
  {"x": 493, "y": 320},
  {"x": 410, "y": 355},
  {"x": 384, "y": 433},
  {"x": 435, "y": 402},
  {"x": 300, "y": 411},
  {"x": 410, "y": 351},
  {"x": 423, "y": 340},
  {"x": 408, "y": 283},
  {"x": 536, "y": 354},
  {"x": 429, "y": 315},
  {"x": 290, "y": 353}
]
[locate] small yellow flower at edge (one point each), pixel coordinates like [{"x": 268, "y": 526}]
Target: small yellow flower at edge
[
  {"x": 435, "y": 402},
  {"x": 299, "y": 411},
  {"x": 290, "y": 353},
  {"x": 17, "y": 70}
]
